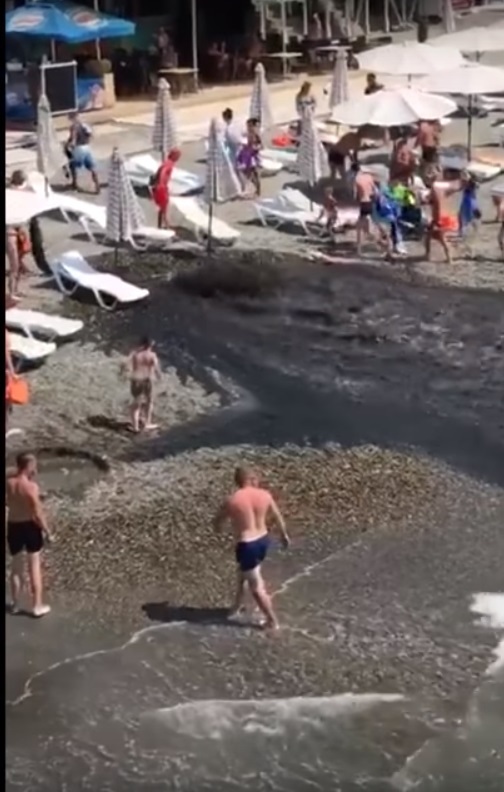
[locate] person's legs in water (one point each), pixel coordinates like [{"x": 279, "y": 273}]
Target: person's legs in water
[{"x": 263, "y": 600}]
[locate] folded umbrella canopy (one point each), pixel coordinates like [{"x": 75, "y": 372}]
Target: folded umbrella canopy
[
  {"x": 65, "y": 22},
  {"x": 124, "y": 215},
  {"x": 312, "y": 161},
  {"x": 260, "y": 106},
  {"x": 448, "y": 18},
  {"x": 50, "y": 155},
  {"x": 339, "y": 92},
  {"x": 164, "y": 133},
  {"x": 393, "y": 108},
  {"x": 222, "y": 183},
  {"x": 409, "y": 58}
]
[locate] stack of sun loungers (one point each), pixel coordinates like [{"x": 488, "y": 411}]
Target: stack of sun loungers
[{"x": 34, "y": 335}]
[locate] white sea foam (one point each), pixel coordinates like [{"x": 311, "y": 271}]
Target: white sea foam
[
  {"x": 491, "y": 609},
  {"x": 217, "y": 719}
]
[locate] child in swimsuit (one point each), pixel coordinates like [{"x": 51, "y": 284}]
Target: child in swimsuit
[
  {"x": 248, "y": 160},
  {"x": 469, "y": 212},
  {"x": 329, "y": 210}
]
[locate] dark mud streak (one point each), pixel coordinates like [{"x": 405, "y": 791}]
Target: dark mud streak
[{"x": 197, "y": 335}]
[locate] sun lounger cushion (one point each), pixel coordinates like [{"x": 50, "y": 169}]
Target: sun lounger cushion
[
  {"x": 30, "y": 350},
  {"x": 38, "y": 323},
  {"x": 196, "y": 215}
]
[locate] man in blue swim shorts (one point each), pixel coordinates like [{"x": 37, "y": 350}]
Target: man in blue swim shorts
[
  {"x": 248, "y": 510},
  {"x": 78, "y": 150}
]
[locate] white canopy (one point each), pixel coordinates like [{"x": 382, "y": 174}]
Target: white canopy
[
  {"x": 476, "y": 39},
  {"x": 471, "y": 80},
  {"x": 393, "y": 108},
  {"x": 22, "y": 205},
  {"x": 409, "y": 58}
]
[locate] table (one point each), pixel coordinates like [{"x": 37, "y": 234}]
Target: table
[
  {"x": 285, "y": 57},
  {"x": 181, "y": 80}
]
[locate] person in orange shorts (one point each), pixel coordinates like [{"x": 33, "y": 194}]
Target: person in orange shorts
[{"x": 160, "y": 187}]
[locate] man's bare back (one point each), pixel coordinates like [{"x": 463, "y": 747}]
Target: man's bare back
[
  {"x": 364, "y": 187},
  {"x": 22, "y": 497},
  {"x": 144, "y": 364},
  {"x": 248, "y": 509}
]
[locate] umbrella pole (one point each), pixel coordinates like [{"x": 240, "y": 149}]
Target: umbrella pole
[
  {"x": 53, "y": 51},
  {"x": 194, "y": 37},
  {"x": 210, "y": 218},
  {"x": 469, "y": 128}
]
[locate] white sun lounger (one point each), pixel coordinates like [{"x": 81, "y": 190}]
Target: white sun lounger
[
  {"x": 286, "y": 157},
  {"x": 142, "y": 167},
  {"x": 30, "y": 350},
  {"x": 71, "y": 271},
  {"x": 90, "y": 214},
  {"x": 279, "y": 212},
  {"x": 195, "y": 213},
  {"x": 33, "y": 323}
]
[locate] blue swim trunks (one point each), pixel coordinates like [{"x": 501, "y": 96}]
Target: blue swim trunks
[{"x": 250, "y": 555}]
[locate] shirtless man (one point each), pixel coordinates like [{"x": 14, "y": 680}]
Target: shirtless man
[
  {"x": 142, "y": 365},
  {"x": 428, "y": 140},
  {"x": 248, "y": 509},
  {"x": 347, "y": 148},
  {"x": 26, "y": 529},
  {"x": 365, "y": 193},
  {"x": 436, "y": 199}
]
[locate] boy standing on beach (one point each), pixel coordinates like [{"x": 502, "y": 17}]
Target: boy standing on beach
[
  {"x": 248, "y": 509},
  {"x": 142, "y": 365}
]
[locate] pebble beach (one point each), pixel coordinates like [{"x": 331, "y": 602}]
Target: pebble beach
[{"x": 369, "y": 396}]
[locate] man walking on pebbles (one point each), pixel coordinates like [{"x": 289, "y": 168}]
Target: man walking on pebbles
[
  {"x": 248, "y": 509},
  {"x": 142, "y": 365}
]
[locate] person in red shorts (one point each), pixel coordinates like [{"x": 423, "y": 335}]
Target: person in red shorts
[{"x": 160, "y": 187}]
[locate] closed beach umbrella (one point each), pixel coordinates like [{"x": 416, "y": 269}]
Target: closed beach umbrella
[
  {"x": 50, "y": 155},
  {"x": 124, "y": 215},
  {"x": 164, "y": 134},
  {"x": 339, "y": 92},
  {"x": 448, "y": 17},
  {"x": 393, "y": 108},
  {"x": 260, "y": 106},
  {"x": 312, "y": 162},
  {"x": 222, "y": 183},
  {"x": 410, "y": 58}
]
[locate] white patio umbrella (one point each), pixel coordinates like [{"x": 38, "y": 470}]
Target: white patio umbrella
[
  {"x": 393, "y": 108},
  {"x": 449, "y": 17},
  {"x": 50, "y": 155},
  {"x": 124, "y": 215},
  {"x": 409, "y": 59},
  {"x": 222, "y": 183},
  {"x": 471, "y": 80},
  {"x": 260, "y": 106},
  {"x": 311, "y": 162},
  {"x": 164, "y": 133},
  {"x": 473, "y": 40},
  {"x": 339, "y": 92}
]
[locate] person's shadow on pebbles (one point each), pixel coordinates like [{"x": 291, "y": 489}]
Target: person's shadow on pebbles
[{"x": 165, "y": 613}]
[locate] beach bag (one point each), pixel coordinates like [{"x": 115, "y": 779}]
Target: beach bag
[{"x": 16, "y": 391}]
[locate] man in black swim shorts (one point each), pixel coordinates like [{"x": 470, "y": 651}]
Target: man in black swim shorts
[{"x": 26, "y": 529}]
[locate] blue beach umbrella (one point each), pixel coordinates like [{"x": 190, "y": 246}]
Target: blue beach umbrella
[{"x": 65, "y": 22}]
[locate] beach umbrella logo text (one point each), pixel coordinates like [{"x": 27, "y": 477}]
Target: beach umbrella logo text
[
  {"x": 86, "y": 19},
  {"x": 27, "y": 21}
]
